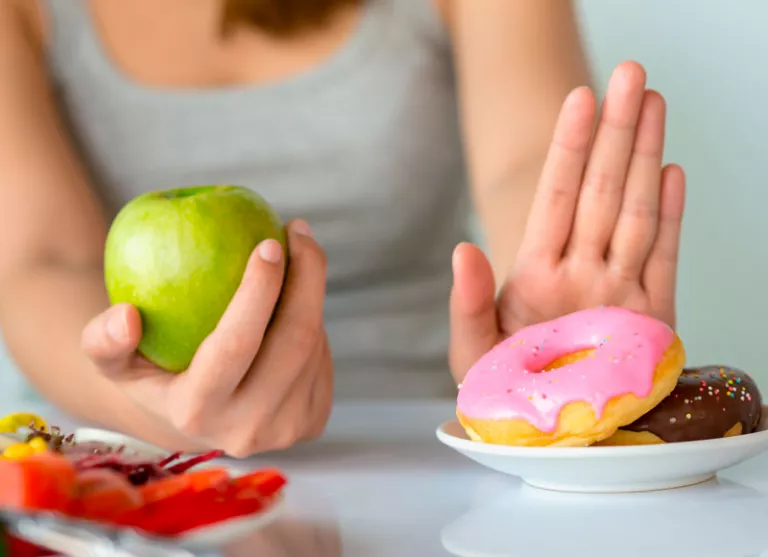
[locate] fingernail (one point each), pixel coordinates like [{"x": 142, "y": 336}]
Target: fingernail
[
  {"x": 270, "y": 251},
  {"x": 302, "y": 228},
  {"x": 117, "y": 328},
  {"x": 455, "y": 258},
  {"x": 576, "y": 97}
]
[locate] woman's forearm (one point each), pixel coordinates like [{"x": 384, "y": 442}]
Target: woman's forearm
[
  {"x": 43, "y": 309},
  {"x": 52, "y": 228},
  {"x": 516, "y": 63}
]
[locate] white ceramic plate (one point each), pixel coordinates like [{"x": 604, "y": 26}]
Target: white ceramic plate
[
  {"x": 611, "y": 469},
  {"x": 85, "y": 434}
]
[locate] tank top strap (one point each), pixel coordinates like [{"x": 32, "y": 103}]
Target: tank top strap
[
  {"x": 423, "y": 17},
  {"x": 69, "y": 23}
]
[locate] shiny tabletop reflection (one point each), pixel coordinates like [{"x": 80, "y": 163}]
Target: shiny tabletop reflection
[
  {"x": 379, "y": 484},
  {"x": 719, "y": 518}
]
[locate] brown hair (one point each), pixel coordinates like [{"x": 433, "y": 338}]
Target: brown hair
[{"x": 281, "y": 17}]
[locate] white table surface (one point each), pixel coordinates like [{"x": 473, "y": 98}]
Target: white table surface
[{"x": 380, "y": 484}]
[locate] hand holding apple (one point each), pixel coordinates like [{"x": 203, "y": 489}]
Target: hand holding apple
[{"x": 261, "y": 380}]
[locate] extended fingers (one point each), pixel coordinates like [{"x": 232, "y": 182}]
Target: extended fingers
[
  {"x": 603, "y": 184},
  {"x": 638, "y": 220},
  {"x": 552, "y": 212},
  {"x": 226, "y": 355},
  {"x": 298, "y": 321},
  {"x": 249, "y": 365},
  {"x": 660, "y": 272}
]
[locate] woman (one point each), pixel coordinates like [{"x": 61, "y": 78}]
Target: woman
[{"x": 345, "y": 114}]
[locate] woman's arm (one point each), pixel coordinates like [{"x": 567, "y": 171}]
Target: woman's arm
[
  {"x": 52, "y": 233},
  {"x": 275, "y": 384},
  {"x": 517, "y": 61}
]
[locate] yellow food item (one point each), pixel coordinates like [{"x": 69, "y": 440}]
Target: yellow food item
[
  {"x": 14, "y": 422},
  {"x": 38, "y": 444},
  {"x": 17, "y": 451},
  {"x": 624, "y": 438}
]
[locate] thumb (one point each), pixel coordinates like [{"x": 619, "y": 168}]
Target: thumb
[
  {"x": 110, "y": 339},
  {"x": 474, "y": 325}
]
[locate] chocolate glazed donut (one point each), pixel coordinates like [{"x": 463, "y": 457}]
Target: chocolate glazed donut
[{"x": 709, "y": 402}]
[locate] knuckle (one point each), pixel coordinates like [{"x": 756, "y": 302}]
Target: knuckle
[
  {"x": 559, "y": 195},
  {"x": 666, "y": 254},
  {"x": 641, "y": 208},
  {"x": 245, "y": 446},
  {"x": 231, "y": 346},
  {"x": 288, "y": 436},
  {"x": 189, "y": 419},
  {"x": 618, "y": 122},
  {"x": 303, "y": 334},
  {"x": 600, "y": 182},
  {"x": 673, "y": 220},
  {"x": 240, "y": 448},
  {"x": 243, "y": 442},
  {"x": 570, "y": 143},
  {"x": 188, "y": 424},
  {"x": 625, "y": 271}
]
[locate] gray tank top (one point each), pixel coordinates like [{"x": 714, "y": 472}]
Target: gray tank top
[{"x": 365, "y": 147}]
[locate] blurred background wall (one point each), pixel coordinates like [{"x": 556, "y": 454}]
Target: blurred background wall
[{"x": 710, "y": 60}]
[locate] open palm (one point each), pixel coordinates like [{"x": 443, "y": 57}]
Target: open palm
[{"x": 604, "y": 227}]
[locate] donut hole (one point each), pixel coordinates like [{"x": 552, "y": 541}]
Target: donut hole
[{"x": 569, "y": 359}]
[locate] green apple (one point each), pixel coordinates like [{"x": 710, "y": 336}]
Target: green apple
[{"x": 178, "y": 256}]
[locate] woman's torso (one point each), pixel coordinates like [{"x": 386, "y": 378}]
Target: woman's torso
[{"x": 364, "y": 145}]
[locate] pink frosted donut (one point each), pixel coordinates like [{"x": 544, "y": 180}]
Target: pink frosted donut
[{"x": 571, "y": 381}]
